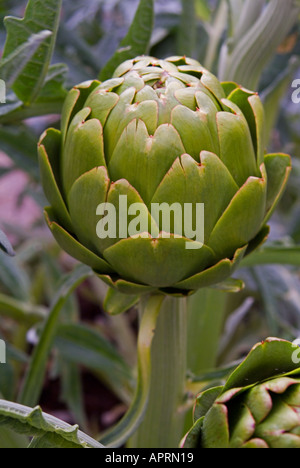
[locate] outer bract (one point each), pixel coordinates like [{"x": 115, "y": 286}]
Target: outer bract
[
  {"x": 259, "y": 407},
  {"x": 161, "y": 132}
]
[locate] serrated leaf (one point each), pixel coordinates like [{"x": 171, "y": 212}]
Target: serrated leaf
[
  {"x": 136, "y": 41},
  {"x": 33, "y": 422},
  {"x": 12, "y": 66},
  {"x": 40, "y": 15},
  {"x": 5, "y": 244}
]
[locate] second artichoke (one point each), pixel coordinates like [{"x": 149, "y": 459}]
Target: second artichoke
[{"x": 258, "y": 407}]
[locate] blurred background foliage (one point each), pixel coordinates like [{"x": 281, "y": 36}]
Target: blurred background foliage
[{"x": 87, "y": 372}]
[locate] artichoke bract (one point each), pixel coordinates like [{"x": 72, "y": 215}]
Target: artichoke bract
[
  {"x": 259, "y": 406},
  {"x": 161, "y": 132}
]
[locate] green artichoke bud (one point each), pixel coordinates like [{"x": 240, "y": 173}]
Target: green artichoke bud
[
  {"x": 161, "y": 132},
  {"x": 259, "y": 406}
]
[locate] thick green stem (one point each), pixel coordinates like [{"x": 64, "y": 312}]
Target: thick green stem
[
  {"x": 119, "y": 434},
  {"x": 163, "y": 424}
]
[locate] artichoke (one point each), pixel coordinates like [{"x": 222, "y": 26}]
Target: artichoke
[
  {"x": 259, "y": 406},
  {"x": 161, "y": 132}
]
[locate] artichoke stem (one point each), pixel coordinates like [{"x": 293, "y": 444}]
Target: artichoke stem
[{"x": 163, "y": 425}]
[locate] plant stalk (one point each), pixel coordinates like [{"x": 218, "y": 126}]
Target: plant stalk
[{"x": 163, "y": 424}]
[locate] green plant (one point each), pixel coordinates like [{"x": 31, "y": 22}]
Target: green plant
[
  {"x": 184, "y": 345},
  {"x": 258, "y": 407}
]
